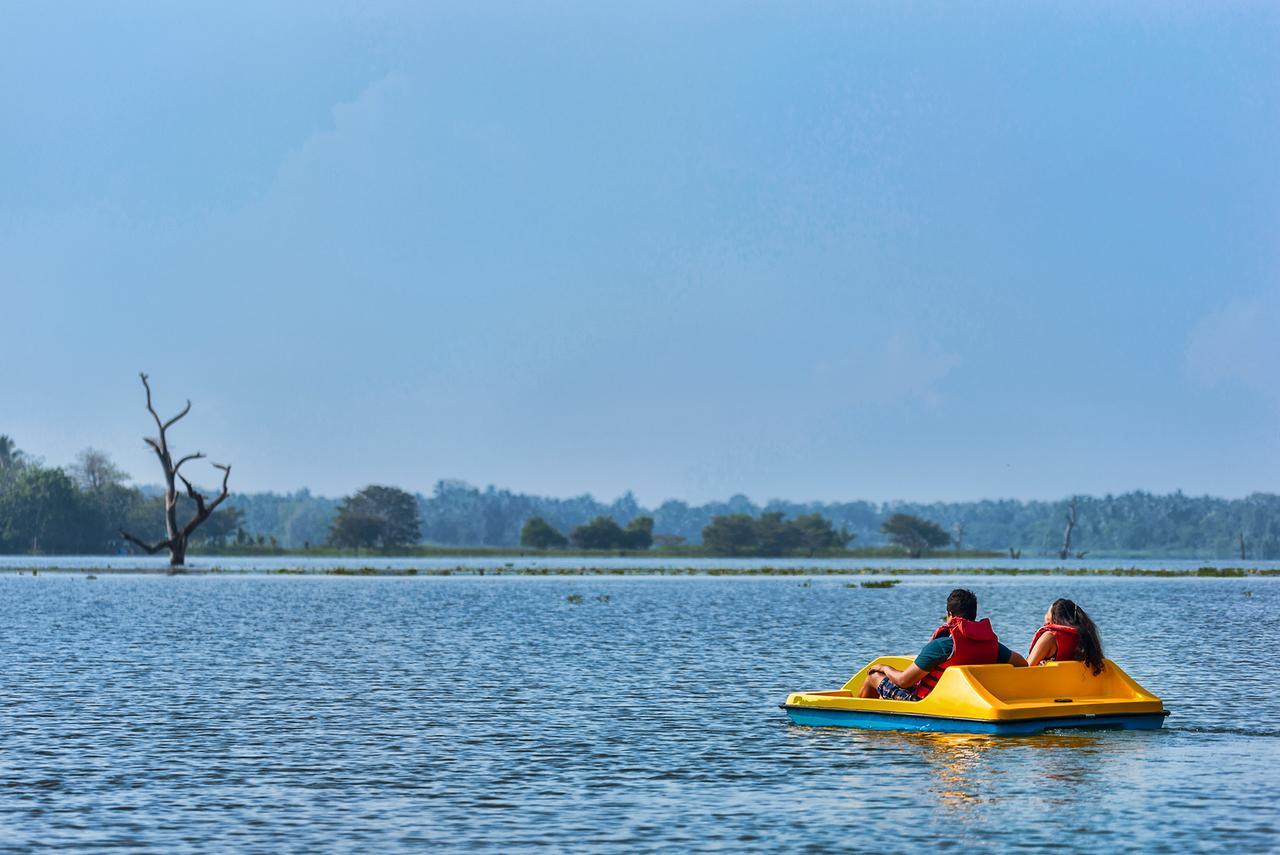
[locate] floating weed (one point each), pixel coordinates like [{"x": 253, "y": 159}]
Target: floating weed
[
  {"x": 1220, "y": 571},
  {"x": 90, "y": 577},
  {"x": 576, "y": 599},
  {"x": 807, "y": 583},
  {"x": 602, "y": 598},
  {"x": 883, "y": 583}
]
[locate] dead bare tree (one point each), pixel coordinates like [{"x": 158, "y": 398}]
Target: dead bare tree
[
  {"x": 957, "y": 532},
  {"x": 1065, "y": 551},
  {"x": 176, "y": 542},
  {"x": 1242, "y": 558}
]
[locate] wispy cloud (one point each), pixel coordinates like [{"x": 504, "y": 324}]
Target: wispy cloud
[
  {"x": 1239, "y": 345},
  {"x": 904, "y": 367}
]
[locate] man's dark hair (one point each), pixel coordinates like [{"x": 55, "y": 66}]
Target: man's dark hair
[{"x": 962, "y": 604}]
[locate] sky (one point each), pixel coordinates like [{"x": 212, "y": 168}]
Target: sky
[{"x": 834, "y": 251}]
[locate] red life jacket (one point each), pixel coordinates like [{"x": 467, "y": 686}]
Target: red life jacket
[
  {"x": 975, "y": 644},
  {"x": 1066, "y": 637}
]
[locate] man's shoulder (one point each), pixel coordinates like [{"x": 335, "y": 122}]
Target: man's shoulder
[
  {"x": 940, "y": 643},
  {"x": 937, "y": 650}
]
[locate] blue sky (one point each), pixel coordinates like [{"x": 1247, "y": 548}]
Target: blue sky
[{"x": 890, "y": 250}]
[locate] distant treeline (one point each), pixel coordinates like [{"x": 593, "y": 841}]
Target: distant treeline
[
  {"x": 81, "y": 507},
  {"x": 1135, "y": 524}
]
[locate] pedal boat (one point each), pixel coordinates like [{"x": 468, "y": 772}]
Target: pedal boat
[{"x": 990, "y": 699}]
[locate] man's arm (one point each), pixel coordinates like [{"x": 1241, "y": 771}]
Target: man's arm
[
  {"x": 904, "y": 679},
  {"x": 1005, "y": 655}
]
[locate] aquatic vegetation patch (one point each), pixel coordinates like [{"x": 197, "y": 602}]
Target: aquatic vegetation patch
[{"x": 883, "y": 583}]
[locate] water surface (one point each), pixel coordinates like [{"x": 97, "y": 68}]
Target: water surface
[{"x": 387, "y": 714}]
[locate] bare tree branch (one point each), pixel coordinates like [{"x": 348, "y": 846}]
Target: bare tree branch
[
  {"x": 143, "y": 545},
  {"x": 196, "y": 495},
  {"x": 1072, "y": 517},
  {"x": 171, "y": 421},
  {"x": 162, "y": 425},
  {"x": 204, "y": 508},
  {"x": 150, "y": 408},
  {"x": 226, "y": 474},
  {"x": 189, "y": 457}
]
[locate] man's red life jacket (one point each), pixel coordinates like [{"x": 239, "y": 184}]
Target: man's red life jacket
[
  {"x": 975, "y": 644},
  {"x": 1066, "y": 637}
]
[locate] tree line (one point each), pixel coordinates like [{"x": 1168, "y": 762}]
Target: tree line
[
  {"x": 83, "y": 506},
  {"x": 603, "y": 532},
  {"x": 769, "y": 534},
  {"x": 1136, "y": 523}
]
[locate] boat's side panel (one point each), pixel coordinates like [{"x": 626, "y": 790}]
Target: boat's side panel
[{"x": 811, "y": 717}]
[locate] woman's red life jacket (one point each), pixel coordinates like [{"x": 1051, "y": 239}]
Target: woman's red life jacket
[
  {"x": 1066, "y": 637},
  {"x": 975, "y": 644}
]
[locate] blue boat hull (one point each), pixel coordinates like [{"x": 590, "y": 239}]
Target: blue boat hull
[{"x": 817, "y": 717}]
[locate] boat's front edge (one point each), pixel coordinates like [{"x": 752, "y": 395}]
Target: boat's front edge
[{"x": 820, "y": 717}]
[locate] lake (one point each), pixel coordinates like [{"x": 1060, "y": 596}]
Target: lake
[{"x": 271, "y": 713}]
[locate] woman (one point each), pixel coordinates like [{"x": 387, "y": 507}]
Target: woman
[{"x": 1067, "y": 634}]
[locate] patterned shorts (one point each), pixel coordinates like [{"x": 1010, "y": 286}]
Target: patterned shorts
[{"x": 891, "y": 692}]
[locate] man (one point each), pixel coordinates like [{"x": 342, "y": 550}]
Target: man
[{"x": 962, "y": 640}]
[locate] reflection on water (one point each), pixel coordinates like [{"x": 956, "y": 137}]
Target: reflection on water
[
  {"x": 965, "y": 766},
  {"x": 376, "y": 714},
  {"x": 967, "y": 770}
]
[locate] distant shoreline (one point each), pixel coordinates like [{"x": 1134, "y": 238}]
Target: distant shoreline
[
  {"x": 1202, "y": 572},
  {"x": 427, "y": 551}
]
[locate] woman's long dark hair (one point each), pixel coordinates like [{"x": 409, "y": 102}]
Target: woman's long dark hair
[{"x": 1067, "y": 613}]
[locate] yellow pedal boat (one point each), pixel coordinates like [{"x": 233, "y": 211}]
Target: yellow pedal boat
[{"x": 991, "y": 699}]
